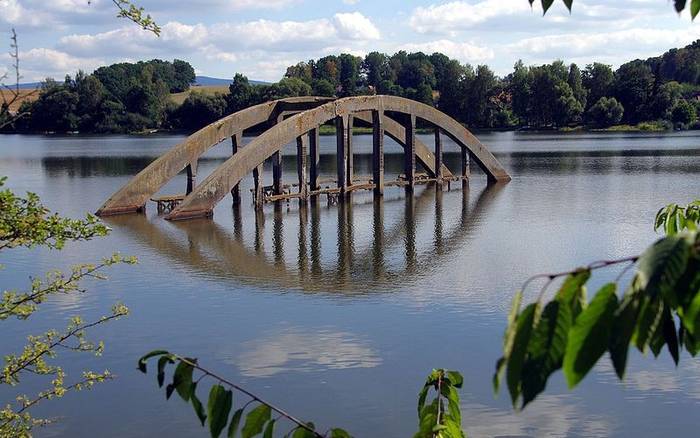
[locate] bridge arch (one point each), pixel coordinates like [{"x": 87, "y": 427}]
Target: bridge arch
[
  {"x": 132, "y": 197},
  {"x": 201, "y": 202}
]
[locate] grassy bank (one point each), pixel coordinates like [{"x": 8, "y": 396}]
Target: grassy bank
[{"x": 178, "y": 98}]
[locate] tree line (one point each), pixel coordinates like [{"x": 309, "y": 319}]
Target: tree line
[{"x": 136, "y": 97}]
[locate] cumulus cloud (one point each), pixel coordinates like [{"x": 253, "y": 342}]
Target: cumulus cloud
[
  {"x": 464, "y": 52},
  {"x": 461, "y": 14},
  {"x": 355, "y": 26},
  {"x": 636, "y": 42},
  {"x": 39, "y": 63}
]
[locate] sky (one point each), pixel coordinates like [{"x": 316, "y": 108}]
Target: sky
[{"x": 260, "y": 38}]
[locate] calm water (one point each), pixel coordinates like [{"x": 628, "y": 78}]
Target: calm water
[{"x": 338, "y": 313}]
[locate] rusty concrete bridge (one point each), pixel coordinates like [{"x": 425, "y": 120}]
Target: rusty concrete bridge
[{"x": 298, "y": 119}]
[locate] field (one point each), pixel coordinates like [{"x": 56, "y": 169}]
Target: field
[
  {"x": 178, "y": 98},
  {"x": 24, "y": 94}
]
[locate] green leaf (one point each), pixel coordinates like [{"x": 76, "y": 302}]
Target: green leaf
[
  {"x": 546, "y": 349},
  {"x": 269, "y": 429},
  {"x": 590, "y": 335},
  {"x": 679, "y": 4},
  {"x": 624, "y": 323},
  {"x": 526, "y": 322},
  {"x": 218, "y": 408},
  {"x": 339, "y": 433},
  {"x": 573, "y": 291},
  {"x": 568, "y": 4},
  {"x": 145, "y": 357},
  {"x": 197, "y": 405},
  {"x": 649, "y": 319},
  {"x": 422, "y": 396},
  {"x": 670, "y": 336},
  {"x": 182, "y": 379},
  {"x": 508, "y": 338},
  {"x": 255, "y": 420},
  {"x": 235, "y": 421},
  {"x": 300, "y": 432},
  {"x": 456, "y": 378},
  {"x": 546, "y": 4},
  {"x": 162, "y": 362},
  {"x": 691, "y": 317},
  {"x": 661, "y": 266}
]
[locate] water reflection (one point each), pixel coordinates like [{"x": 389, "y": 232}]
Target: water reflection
[
  {"x": 304, "y": 350},
  {"x": 297, "y": 249}
]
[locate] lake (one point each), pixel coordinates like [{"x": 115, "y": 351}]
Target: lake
[{"x": 338, "y": 313}]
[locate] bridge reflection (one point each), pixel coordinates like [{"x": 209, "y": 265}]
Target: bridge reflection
[{"x": 375, "y": 245}]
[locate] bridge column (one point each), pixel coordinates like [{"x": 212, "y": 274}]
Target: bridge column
[
  {"x": 378, "y": 152},
  {"x": 258, "y": 186},
  {"x": 466, "y": 172},
  {"x": 341, "y": 152},
  {"x": 191, "y": 176},
  {"x": 351, "y": 162},
  {"x": 410, "y": 151},
  {"x": 235, "y": 144},
  {"x": 277, "y": 173},
  {"x": 314, "y": 142},
  {"x": 438, "y": 157},
  {"x": 301, "y": 167}
]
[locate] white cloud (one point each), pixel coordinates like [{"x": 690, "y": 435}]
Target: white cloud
[
  {"x": 464, "y": 52},
  {"x": 355, "y": 26},
  {"x": 459, "y": 15},
  {"x": 261, "y": 4},
  {"x": 39, "y": 63},
  {"x": 621, "y": 46}
]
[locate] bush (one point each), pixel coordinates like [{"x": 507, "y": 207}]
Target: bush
[{"x": 606, "y": 112}]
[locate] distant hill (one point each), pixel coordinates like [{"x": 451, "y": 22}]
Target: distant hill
[
  {"x": 204, "y": 81},
  {"x": 29, "y": 85}
]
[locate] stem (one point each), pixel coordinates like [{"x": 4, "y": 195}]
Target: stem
[
  {"x": 249, "y": 394},
  {"x": 600, "y": 264},
  {"x": 439, "y": 396}
]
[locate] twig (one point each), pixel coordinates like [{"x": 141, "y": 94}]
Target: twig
[
  {"x": 600, "y": 264},
  {"x": 249, "y": 394}
]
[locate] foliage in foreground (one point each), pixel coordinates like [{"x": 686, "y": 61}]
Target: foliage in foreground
[
  {"x": 25, "y": 222},
  {"x": 660, "y": 307},
  {"x": 440, "y": 418}
]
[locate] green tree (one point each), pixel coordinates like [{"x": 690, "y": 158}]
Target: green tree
[
  {"x": 375, "y": 68},
  {"x": 349, "y": 74},
  {"x": 597, "y": 79},
  {"x": 199, "y": 110},
  {"x": 575, "y": 81},
  {"x": 184, "y": 76},
  {"x": 241, "y": 93},
  {"x": 683, "y": 113},
  {"x": 606, "y": 112},
  {"x": 520, "y": 82},
  {"x": 322, "y": 87},
  {"x": 632, "y": 88},
  {"x": 567, "y": 108}
]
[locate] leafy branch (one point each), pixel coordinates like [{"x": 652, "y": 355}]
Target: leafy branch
[
  {"x": 675, "y": 218},
  {"x": 220, "y": 402},
  {"x": 136, "y": 14},
  {"x": 441, "y": 418},
  {"x": 660, "y": 307}
]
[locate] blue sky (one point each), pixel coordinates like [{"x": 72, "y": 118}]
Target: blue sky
[{"x": 261, "y": 37}]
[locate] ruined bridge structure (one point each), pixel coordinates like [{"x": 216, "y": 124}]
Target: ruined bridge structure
[{"x": 298, "y": 119}]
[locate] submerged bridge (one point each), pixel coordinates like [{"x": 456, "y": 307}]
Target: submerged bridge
[{"x": 298, "y": 119}]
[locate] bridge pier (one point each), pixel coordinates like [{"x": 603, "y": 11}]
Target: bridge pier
[
  {"x": 191, "y": 176},
  {"x": 438, "y": 158},
  {"x": 378, "y": 152},
  {"x": 277, "y": 173},
  {"x": 258, "y": 186},
  {"x": 235, "y": 144},
  {"x": 314, "y": 143},
  {"x": 466, "y": 172},
  {"x": 301, "y": 168},
  {"x": 409, "y": 153},
  {"x": 351, "y": 161},
  {"x": 341, "y": 137}
]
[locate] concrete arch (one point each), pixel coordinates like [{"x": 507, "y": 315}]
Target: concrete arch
[
  {"x": 133, "y": 196},
  {"x": 201, "y": 202}
]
